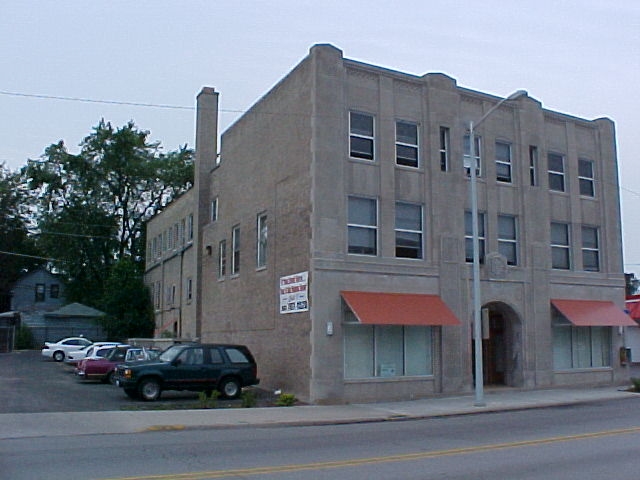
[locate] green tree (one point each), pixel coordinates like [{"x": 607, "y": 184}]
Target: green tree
[
  {"x": 18, "y": 252},
  {"x": 126, "y": 302},
  {"x": 92, "y": 206}
]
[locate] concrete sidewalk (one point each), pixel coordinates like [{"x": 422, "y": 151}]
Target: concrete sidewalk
[{"x": 29, "y": 425}]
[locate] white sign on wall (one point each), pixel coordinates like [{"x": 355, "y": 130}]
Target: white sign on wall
[{"x": 294, "y": 293}]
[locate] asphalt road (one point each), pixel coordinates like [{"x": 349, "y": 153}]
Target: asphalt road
[
  {"x": 29, "y": 383},
  {"x": 597, "y": 440}
]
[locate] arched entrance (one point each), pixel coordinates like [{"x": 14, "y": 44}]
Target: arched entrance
[{"x": 501, "y": 346}]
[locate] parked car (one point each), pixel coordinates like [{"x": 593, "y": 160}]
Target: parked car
[
  {"x": 194, "y": 367},
  {"x": 74, "y": 356},
  {"x": 103, "y": 367},
  {"x": 58, "y": 350}
]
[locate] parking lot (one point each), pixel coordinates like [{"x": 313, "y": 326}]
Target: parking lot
[{"x": 29, "y": 384}]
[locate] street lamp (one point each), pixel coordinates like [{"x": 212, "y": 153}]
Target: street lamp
[{"x": 477, "y": 305}]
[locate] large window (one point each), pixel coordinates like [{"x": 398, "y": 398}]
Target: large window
[
  {"x": 468, "y": 236},
  {"x": 235, "y": 247},
  {"x": 503, "y": 162},
  {"x": 261, "y": 241},
  {"x": 507, "y": 238},
  {"x": 407, "y": 144},
  {"x": 477, "y": 158},
  {"x": 585, "y": 178},
  {"x": 560, "y": 246},
  {"x": 363, "y": 226},
  {"x": 444, "y": 149},
  {"x": 408, "y": 230},
  {"x": 556, "y": 172},
  {"x": 580, "y": 347},
  {"x": 387, "y": 351},
  {"x": 361, "y": 136},
  {"x": 590, "y": 249}
]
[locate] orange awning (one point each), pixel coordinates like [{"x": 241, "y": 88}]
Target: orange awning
[
  {"x": 633, "y": 306},
  {"x": 376, "y": 308},
  {"x": 593, "y": 313}
]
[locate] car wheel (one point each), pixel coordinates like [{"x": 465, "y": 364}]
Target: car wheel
[
  {"x": 149, "y": 389},
  {"x": 230, "y": 388},
  {"x": 109, "y": 378},
  {"x": 131, "y": 393},
  {"x": 58, "y": 356}
]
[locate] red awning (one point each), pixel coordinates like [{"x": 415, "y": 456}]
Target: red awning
[
  {"x": 633, "y": 306},
  {"x": 593, "y": 313},
  {"x": 375, "y": 308}
]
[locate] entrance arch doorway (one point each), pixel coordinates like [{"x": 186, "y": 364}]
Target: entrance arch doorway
[{"x": 501, "y": 346}]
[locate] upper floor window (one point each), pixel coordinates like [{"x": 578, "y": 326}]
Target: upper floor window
[
  {"x": 189, "y": 289},
  {"x": 261, "y": 241},
  {"x": 235, "y": 250},
  {"x": 533, "y": 165},
  {"x": 560, "y": 246},
  {"x": 477, "y": 155},
  {"x": 503, "y": 162},
  {"x": 362, "y": 226},
  {"x": 468, "y": 236},
  {"x": 214, "y": 209},
  {"x": 585, "y": 178},
  {"x": 407, "y": 143},
  {"x": 361, "y": 135},
  {"x": 590, "y": 249},
  {"x": 507, "y": 238},
  {"x": 54, "y": 290},
  {"x": 444, "y": 149},
  {"x": 556, "y": 172},
  {"x": 408, "y": 230},
  {"x": 190, "y": 228}
]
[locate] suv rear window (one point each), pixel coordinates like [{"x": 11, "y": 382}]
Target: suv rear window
[{"x": 236, "y": 356}]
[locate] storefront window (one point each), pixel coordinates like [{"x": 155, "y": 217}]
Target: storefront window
[{"x": 580, "y": 347}]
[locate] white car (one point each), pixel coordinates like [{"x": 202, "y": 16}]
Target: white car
[
  {"x": 58, "y": 350},
  {"x": 74, "y": 356}
]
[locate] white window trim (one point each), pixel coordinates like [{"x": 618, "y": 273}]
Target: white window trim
[{"x": 508, "y": 163}]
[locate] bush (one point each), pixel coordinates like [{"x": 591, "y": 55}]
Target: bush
[
  {"x": 286, "y": 400},
  {"x": 207, "y": 401},
  {"x": 635, "y": 384},
  {"x": 24, "y": 338},
  {"x": 249, "y": 399}
]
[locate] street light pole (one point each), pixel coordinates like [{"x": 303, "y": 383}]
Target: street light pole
[{"x": 477, "y": 304}]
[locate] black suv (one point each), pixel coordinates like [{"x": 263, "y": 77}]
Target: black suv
[{"x": 195, "y": 367}]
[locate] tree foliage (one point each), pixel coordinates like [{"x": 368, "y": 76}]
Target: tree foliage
[
  {"x": 18, "y": 252},
  {"x": 126, "y": 302},
  {"x": 92, "y": 206}
]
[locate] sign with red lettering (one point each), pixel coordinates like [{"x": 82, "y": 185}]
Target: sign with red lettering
[{"x": 293, "y": 293}]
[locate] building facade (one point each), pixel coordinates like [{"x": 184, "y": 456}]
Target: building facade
[
  {"x": 170, "y": 268},
  {"x": 333, "y": 233}
]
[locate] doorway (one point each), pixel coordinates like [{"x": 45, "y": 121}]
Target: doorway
[{"x": 501, "y": 346}]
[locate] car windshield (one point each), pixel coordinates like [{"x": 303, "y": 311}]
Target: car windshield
[{"x": 171, "y": 353}]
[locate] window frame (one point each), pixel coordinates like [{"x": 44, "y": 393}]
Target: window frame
[
  {"x": 511, "y": 242},
  {"x": 40, "y": 292},
  {"x": 356, "y": 227},
  {"x": 556, "y": 174},
  {"x": 466, "y": 157},
  {"x": 399, "y": 231},
  {"x": 590, "y": 250},
  {"x": 359, "y": 135},
  {"x": 235, "y": 250},
  {"x": 214, "y": 210},
  {"x": 505, "y": 163},
  {"x": 222, "y": 258},
  {"x": 445, "y": 148},
  {"x": 533, "y": 165},
  {"x": 468, "y": 236},
  {"x": 261, "y": 240},
  {"x": 565, "y": 248},
  {"x": 587, "y": 182},
  {"x": 405, "y": 161}
]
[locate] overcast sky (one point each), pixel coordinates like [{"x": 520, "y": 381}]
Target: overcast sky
[{"x": 580, "y": 57}]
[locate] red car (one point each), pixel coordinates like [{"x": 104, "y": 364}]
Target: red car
[{"x": 103, "y": 368}]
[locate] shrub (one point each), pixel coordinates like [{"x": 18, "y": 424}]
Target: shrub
[
  {"x": 208, "y": 401},
  {"x": 249, "y": 399},
  {"x": 286, "y": 400},
  {"x": 24, "y": 338},
  {"x": 635, "y": 384}
]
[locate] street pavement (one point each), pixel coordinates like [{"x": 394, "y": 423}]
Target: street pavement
[{"x": 29, "y": 425}]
